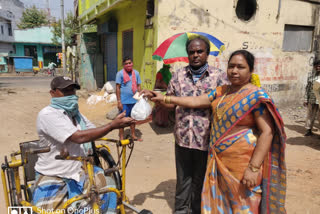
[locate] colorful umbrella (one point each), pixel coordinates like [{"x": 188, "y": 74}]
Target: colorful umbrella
[{"x": 173, "y": 49}]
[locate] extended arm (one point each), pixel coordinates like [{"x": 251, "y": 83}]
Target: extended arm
[
  {"x": 83, "y": 136},
  {"x": 201, "y": 101}
]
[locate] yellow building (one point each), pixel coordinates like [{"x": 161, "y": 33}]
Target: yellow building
[{"x": 283, "y": 35}]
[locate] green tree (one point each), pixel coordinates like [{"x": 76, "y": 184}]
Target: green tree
[
  {"x": 70, "y": 28},
  {"x": 32, "y": 17}
]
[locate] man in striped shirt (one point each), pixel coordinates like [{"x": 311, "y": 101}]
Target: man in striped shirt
[{"x": 310, "y": 100}]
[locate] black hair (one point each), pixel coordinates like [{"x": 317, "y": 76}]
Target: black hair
[
  {"x": 247, "y": 55},
  {"x": 202, "y": 38},
  {"x": 126, "y": 58},
  {"x": 316, "y": 62}
]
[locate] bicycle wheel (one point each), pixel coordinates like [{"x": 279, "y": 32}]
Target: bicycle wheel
[{"x": 106, "y": 161}]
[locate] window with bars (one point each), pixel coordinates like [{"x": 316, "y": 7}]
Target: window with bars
[{"x": 127, "y": 44}]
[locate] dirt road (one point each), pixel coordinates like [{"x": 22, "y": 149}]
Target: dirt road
[{"x": 151, "y": 172}]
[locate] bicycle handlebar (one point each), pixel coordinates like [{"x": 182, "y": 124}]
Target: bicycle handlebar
[
  {"x": 120, "y": 142},
  {"x": 38, "y": 150}
]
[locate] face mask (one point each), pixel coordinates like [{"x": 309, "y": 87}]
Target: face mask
[
  {"x": 67, "y": 103},
  {"x": 128, "y": 67}
]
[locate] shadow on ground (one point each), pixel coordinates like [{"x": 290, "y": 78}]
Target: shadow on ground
[
  {"x": 161, "y": 130},
  {"x": 127, "y": 133},
  {"x": 311, "y": 141},
  {"x": 3, "y": 85},
  {"x": 299, "y": 126},
  {"x": 165, "y": 190}
]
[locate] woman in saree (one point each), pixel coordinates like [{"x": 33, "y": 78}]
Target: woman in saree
[{"x": 246, "y": 169}]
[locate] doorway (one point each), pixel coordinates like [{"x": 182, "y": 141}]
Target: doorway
[
  {"x": 31, "y": 50},
  {"x": 111, "y": 55}
]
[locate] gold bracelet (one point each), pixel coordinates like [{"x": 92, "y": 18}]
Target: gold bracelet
[
  {"x": 253, "y": 168},
  {"x": 164, "y": 99},
  {"x": 169, "y": 100}
]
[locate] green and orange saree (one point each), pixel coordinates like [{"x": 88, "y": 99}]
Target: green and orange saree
[{"x": 231, "y": 149}]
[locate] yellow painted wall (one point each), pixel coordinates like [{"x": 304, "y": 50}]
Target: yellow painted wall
[
  {"x": 85, "y": 5},
  {"x": 132, "y": 17},
  {"x": 283, "y": 73}
]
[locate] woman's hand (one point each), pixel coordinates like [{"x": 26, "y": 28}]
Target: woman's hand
[
  {"x": 158, "y": 97},
  {"x": 250, "y": 178},
  {"x": 147, "y": 93}
]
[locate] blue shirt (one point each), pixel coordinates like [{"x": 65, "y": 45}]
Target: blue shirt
[{"x": 126, "y": 93}]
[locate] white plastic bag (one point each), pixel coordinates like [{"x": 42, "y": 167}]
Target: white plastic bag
[
  {"x": 110, "y": 87},
  {"x": 141, "y": 110},
  {"x": 94, "y": 99},
  {"x": 111, "y": 98}
]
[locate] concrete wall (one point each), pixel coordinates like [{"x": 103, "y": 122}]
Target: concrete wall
[
  {"x": 34, "y": 35},
  {"x": 88, "y": 46},
  {"x": 5, "y": 48},
  {"x": 283, "y": 74}
]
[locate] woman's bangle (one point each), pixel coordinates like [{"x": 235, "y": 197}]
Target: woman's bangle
[
  {"x": 167, "y": 99},
  {"x": 253, "y": 168}
]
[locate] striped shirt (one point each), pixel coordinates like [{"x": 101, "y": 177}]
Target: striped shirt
[{"x": 309, "y": 96}]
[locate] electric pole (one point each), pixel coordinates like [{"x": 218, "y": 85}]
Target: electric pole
[{"x": 62, "y": 39}]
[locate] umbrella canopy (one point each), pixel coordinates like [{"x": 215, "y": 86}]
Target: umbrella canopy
[{"x": 173, "y": 49}]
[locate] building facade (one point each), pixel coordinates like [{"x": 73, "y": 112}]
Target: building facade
[
  {"x": 37, "y": 43},
  {"x": 6, "y": 38},
  {"x": 282, "y": 34},
  {"x": 10, "y": 14}
]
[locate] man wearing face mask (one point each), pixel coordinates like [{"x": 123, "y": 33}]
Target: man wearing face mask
[
  {"x": 192, "y": 126},
  {"x": 62, "y": 127},
  {"x": 127, "y": 84}
]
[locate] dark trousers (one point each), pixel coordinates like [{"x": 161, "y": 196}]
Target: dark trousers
[{"x": 191, "y": 167}]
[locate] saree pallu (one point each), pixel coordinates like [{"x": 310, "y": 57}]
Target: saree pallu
[
  {"x": 50, "y": 193},
  {"x": 229, "y": 156}
]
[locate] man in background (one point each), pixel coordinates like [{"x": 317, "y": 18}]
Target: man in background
[
  {"x": 128, "y": 82},
  {"x": 52, "y": 67},
  {"x": 310, "y": 100}
]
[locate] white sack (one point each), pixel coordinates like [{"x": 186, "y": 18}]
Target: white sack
[
  {"x": 111, "y": 98},
  {"x": 94, "y": 99},
  {"x": 110, "y": 87}
]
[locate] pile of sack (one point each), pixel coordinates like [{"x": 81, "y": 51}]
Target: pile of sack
[{"x": 107, "y": 94}]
